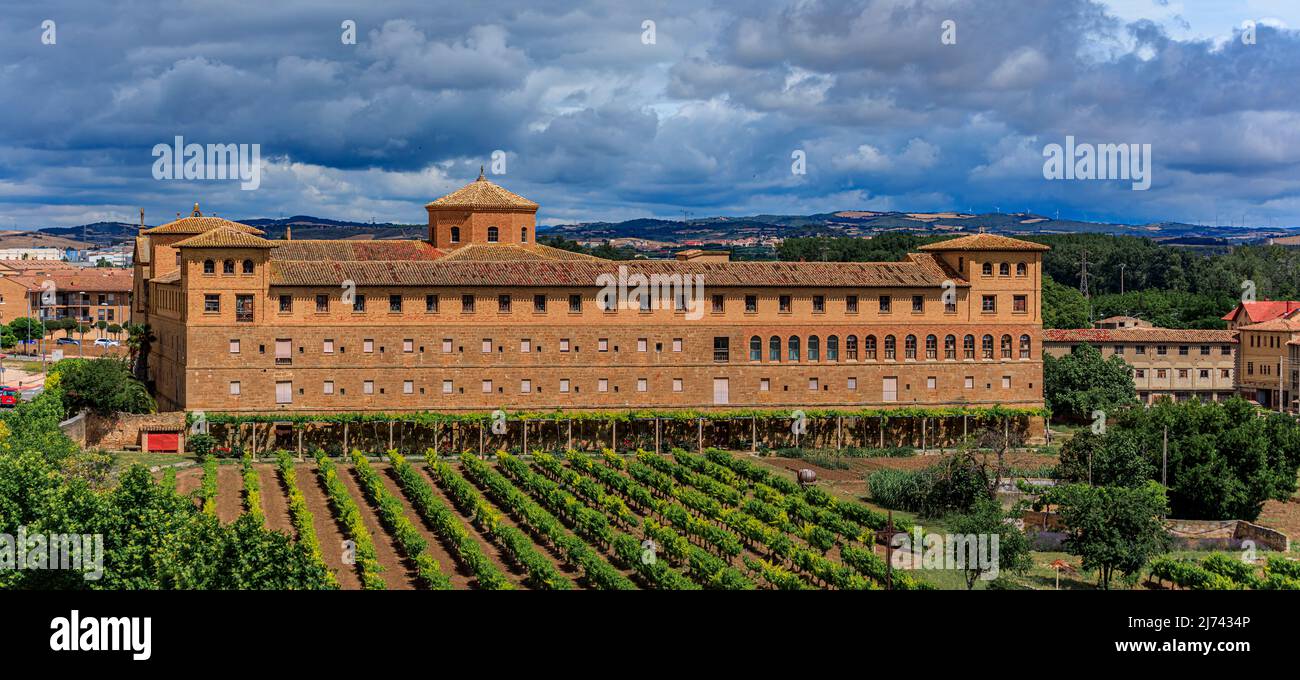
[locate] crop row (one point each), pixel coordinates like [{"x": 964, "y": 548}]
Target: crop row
[
  {"x": 1221, "y": 572},
  {"x": 593, "y": 524},
  {"x": 300, "y": 516},
  {"x": 598, "y": 572},
  {"x": 208, "y": 488},
  {"x": 252, "y": 490},
  {"x": 445, "y": 524},
  {"x": 393, "y": 516},
  {"x": 517, "y": 545},
  {"x": 349, "y": 515}
]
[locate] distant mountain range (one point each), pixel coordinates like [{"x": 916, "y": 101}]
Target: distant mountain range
[{"x": 756, "y": 229}]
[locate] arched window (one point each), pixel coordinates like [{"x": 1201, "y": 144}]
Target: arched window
[
  {"x": 950, "y": 347},
  {"x": 248, "y": 266},
  {"x": 833, "y": 348},
  {"x": 909, "y": 347},
  {"x": 492, "y": 235},
  {"x": 794, "y": 348},
  {"x": 814, "y": 349},
  {"x": 986, "y": 347},
  {"x": 209, "y": 267},
  {"x": 1004, "y": 269},
  {"x": 1024, "y": 347},
  {"x": 1020, "y": 269},
  {"x": 1006, "y": 347},
  {"x": 891, "y": 348},
  {"x": 870, "y": 347},
  {"x": 987, "y": 269},
  {"x": 755, "y": 348},
  {"x": 931, "y": 347},
  {"x": 774, "y": 349},
  {"x": 523, "y": 234},
  {"x": 851, "y": 348},
  {"x": 455, "y": 234},
  {"x": 228, "y": 267},
  {"x": 968, "y": 347}
]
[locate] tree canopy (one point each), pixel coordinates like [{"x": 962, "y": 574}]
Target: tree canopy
[{"x": 1081, "y": 382}]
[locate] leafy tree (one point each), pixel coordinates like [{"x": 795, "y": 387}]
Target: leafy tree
[
  {"x": 139, "y": 340},
  {"x": 1080, "y": 382},
  {"x": 26, "y": 327},
  {"x": 101, "y": 324},
  {"x": 1113, "y": 459},
  {"x": 986, "y": 518},
  {"x": 1063, "y": 307},
  {"x": 114, "y": 329},
  {"x": 104, "y": 385},
  {"x": 7, "y": 337},
  {"x": 1113, "y": 528}
]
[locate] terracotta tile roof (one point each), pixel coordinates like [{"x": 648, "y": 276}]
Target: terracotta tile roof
[
  {"x": 355, "y": 250},
  {"x": 1277, "y": 324},
  {"x": 1137, "y": 335},
  {"x": 29, "y": 265},
  {"x": 89, "y": 279},
  {"x": 918, "y": 271},
  {"x": 483, "y": 194},
  {"x": 1263, "y": 310},
  {"x": 196, "y": 223},
  {"x": 984, "y": 242},
  {"x": 225, "y": 237},
  {"x": 510, "y": 252}
]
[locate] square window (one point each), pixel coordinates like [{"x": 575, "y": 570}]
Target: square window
[
  {"x": 446, "y": 387},
  {"x": 784, "y": 303},
  {"x": 286, "y": 303},
  {"x": 327, "y": 347},
  {"x": 211, "y": 304},
  {"x": 367, "y": 345},
  {"x": 487, "y": 387},
  {"x": 931, "y": 382},
  {"x": 641, "y": 345},
  {"x": 408, "y": 387},
  {"x": 564, "y": 384},
  {"x": 359, "y": 303},
  {"x": 329, "y": 387},
  {"x": 408, "y": 345},
  {"x": 851, "y": 304},
  {"x": 1006, "y": 382},
  {"x": 234, "y": 346},
  {"x": 564, "y": 344},
  {"x": 525, "y": 346},
  {"x": 642, "y": 384},
  {"x": 234, "y": 387},
  {"x": 970, "y": 382},
  {"x": 525, "y": 387},
  {"x": 1020, "y": 304},
  {"x": 487, "y": 345},
  {"x": 467, "y": 304},
  {"x": 575, "y": 303},
  {"x": 764, "y": 385},
  {"x": 322, "y": 303},
  {"x": 446, "y": 345},
  {"x": 602, "y": 345},
  {"x": 677, "y": 384},
  {"x": 602, "y": 385},
  {"x": 394, "y": 303},
  {"x": 989, "y": 303},
  {"x": 539, "y": 303},
  {"x": 751, "y": 303},
  {"x": 368, "y": 387},
  {"x": 819, "y": 303},
  {"x": 677, "y": 344},
  {"x": 431, "y": 304},
  {"x": 503, "y": 304},
  {"x": 886, "y": 304},
  {"x": 853, "y": 383},
  {"x": 812, "y": 384},
  {"x": 719, "y": 304}
]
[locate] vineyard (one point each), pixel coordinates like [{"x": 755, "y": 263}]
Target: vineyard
[{"x": 681, "y": 521}]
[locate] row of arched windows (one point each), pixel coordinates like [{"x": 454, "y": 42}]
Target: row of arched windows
[
  {"x": 227, "y": 267},
  {"x": 493, "y": 235},
  {"x": 1004, "y": 269},
  {"x": 792, "y": 348}
]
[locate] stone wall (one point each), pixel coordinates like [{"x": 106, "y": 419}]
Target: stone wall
[{"x": 121, "y": 430}]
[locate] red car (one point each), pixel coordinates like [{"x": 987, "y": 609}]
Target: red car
[{"x": 8, "y": 397}]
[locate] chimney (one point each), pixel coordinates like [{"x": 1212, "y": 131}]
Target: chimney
[{"x": 288, "y": 232}]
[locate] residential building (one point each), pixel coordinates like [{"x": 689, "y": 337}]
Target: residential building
[
  {"x": 85, "y": 294},
  {"x": 1268, "y": 362},
  {"x": 1167, "y": 362}
]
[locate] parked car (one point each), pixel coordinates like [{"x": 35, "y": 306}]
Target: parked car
[
  {"x": 67, "y": 341},
  {"x": 8, "y": 397},
  {"x": 105, "y": 342}
]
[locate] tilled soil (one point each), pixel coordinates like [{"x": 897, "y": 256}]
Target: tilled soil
[
  {"x": 398, "y": 574},
  {"x": 328, "y": 531},
  {"x": 230, "y": 493},
  {"x": 275, "y": 502}
]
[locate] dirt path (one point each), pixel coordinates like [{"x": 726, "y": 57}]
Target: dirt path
[
  {"x": 275, "y": 503},
  {"x": 189, "y": 480},
  {"x": 328, "y": 532},
  {"x": 492, "y": 550},
  {"x": 396, "y": 574},
  {"x": 461, "y": 578},
  {"x": 230, "y": 493}
]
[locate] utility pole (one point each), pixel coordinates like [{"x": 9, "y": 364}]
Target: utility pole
[
  {"x": 1164, "y": 459},
  {"x": 1121, "y": 277}
]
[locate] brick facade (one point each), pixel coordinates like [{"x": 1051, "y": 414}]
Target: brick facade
[{"x": 405, "y": 353}]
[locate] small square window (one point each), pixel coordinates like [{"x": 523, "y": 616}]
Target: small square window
[
  {"x": 234, "y": 346},
  {"x": 467, "y": 304},
  {"x": 539, "y": 303},
  {"x": 286, "y": 304},
  {"x": 322, "y": 303},
  {"x": 234, "y": 387},
  {"x": 641, "y": 345},
  {"x": 446, "y": 387},
  {"x": 751, "y": 303},
  {"x": 930, "y": 382},
  {"x": 431, "y": 304},
  {"x": 328, "y": 387},
  {"x": 853, "y": 383},
  {"x": 525, "y": 387},
  {"x": 368, "y": 387},
  {"x": 677, "y": 384},
  {"x": 819, "y": 303},
  {"x": 564, "y": 344},
  {"x": 487, "y": 387},
  {"x": 525, "y": 346},
  {"x": 812, "y": 384},
  {"x": 851, "y": 304},
  {"x": 970, "y": 382},
  {"x": 575, "y": 303},
  {"x": 408, "y": 345},
  {"x": 503, "y": 304},
  {"x": 677, "y": 344},
  {"x": 602, "y": 344},
  {"x": 564, "y": 384},
  {"x": 783, "y": 303},
  {"x": 327, "y": 347},
  {"x": 764, "y": 385},
  {"x": 446, "y": 345},
  {"x": 367, "y": 345},
  {"x": 886, "y": 304},
  {"x": 642, "y": 385},
  {"x": 487, "y": 345},
  {"x": 359, "y": 303},
  {"x": 1006, "y": 382},
  {"x": 602, "y": 385}
]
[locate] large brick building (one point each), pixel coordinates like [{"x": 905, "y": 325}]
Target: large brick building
[
  {"x": 61, "y": 291},
  {"x": 480, "y": 317}
]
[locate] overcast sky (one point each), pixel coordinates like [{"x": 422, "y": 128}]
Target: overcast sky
[{"x": 596, "y": 124}]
